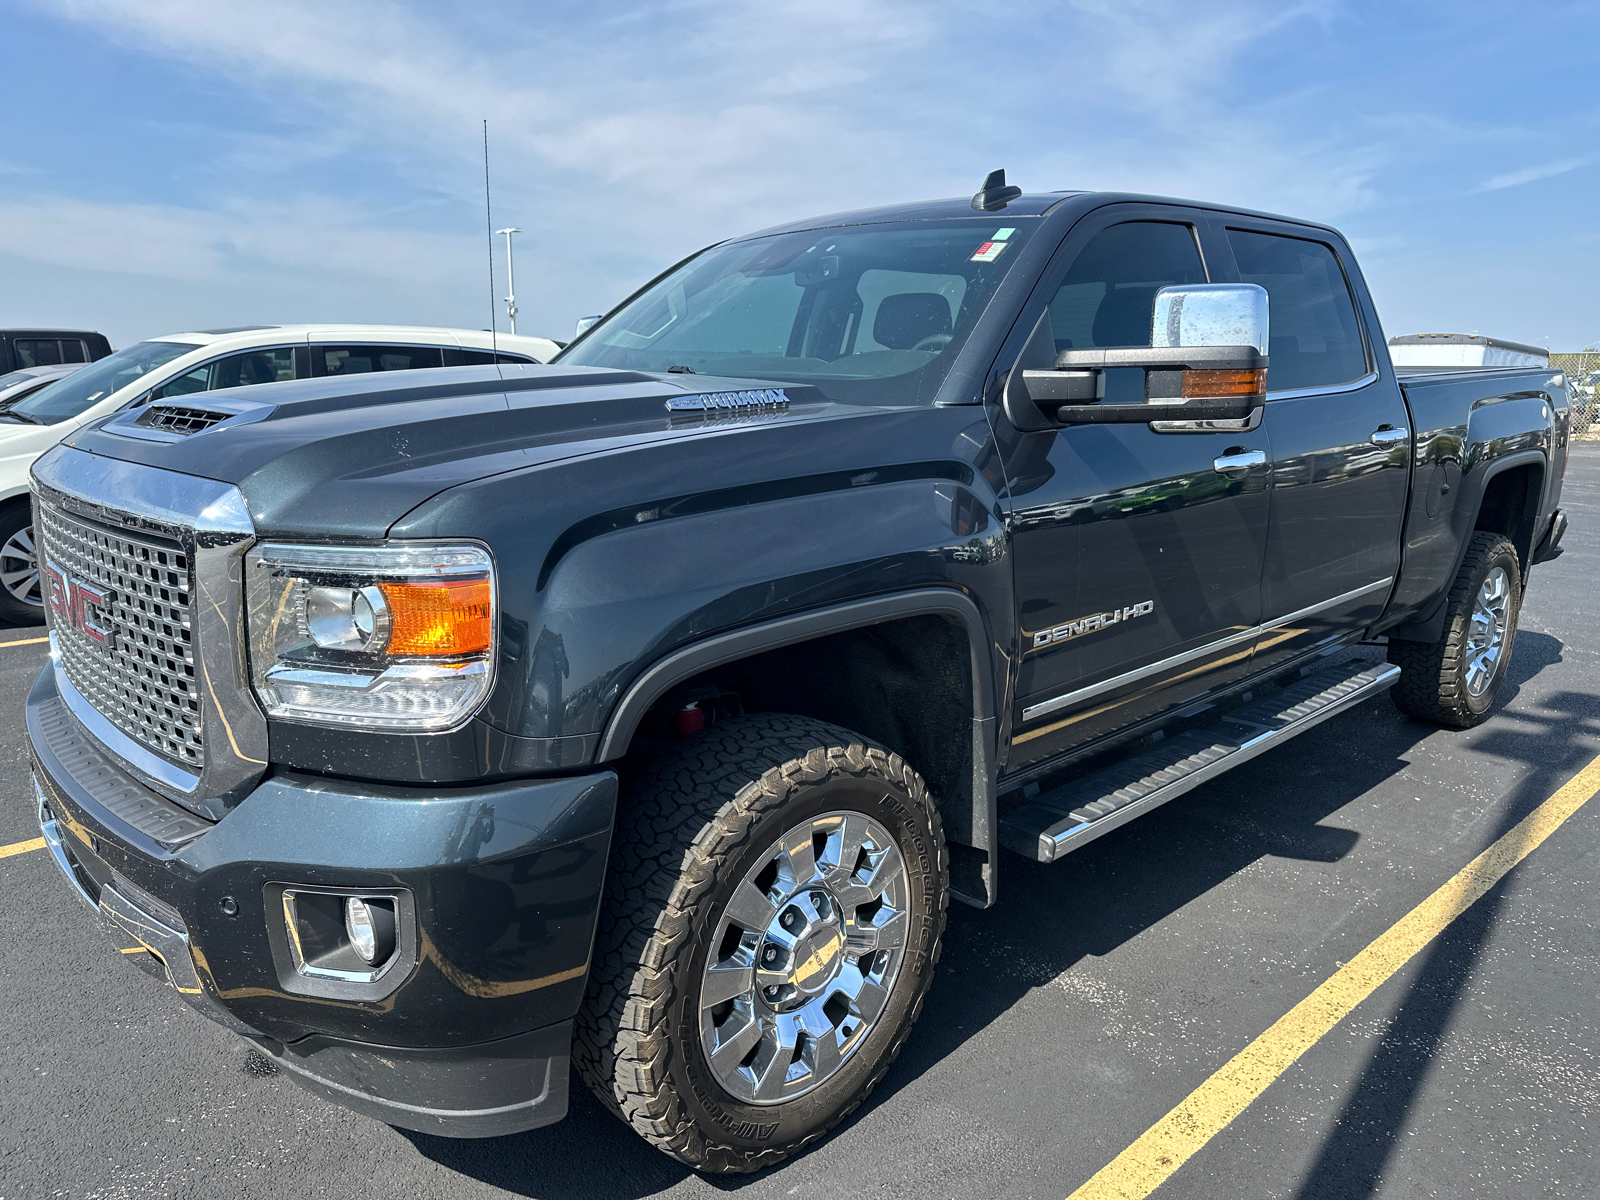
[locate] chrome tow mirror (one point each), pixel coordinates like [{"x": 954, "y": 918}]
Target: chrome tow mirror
[{"x": 1206, "y": 361}]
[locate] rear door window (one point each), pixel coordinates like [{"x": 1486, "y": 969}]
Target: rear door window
[
  {"x": 39, "y": 352},
  {"x": 481, "y": 358},
  {"x": 269, "y": 365},
  {"x": 362, "y": 360},
  {"x": 1315, "y": 338}
]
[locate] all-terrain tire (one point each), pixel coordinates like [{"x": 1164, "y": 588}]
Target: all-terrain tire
[
  {"x": 687, "y": 834},
  {"x": 1433, "y": 680}
]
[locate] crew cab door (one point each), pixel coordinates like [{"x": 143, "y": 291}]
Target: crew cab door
[
  {"x": 1137, "y": 551},
  {"x": 1339, "y": 436}
]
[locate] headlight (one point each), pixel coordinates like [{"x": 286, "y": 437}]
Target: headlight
[{"x": 398, "y": 636}]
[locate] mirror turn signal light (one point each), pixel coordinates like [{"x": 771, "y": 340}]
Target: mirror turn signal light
[
  {"x": 1216, "y": 384},
  {"x": 439, "y": 618}
]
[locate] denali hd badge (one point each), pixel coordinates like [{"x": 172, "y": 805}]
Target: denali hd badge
[
  {"x": 729, "y": 402},
  {"x": 1093, "y": 623}
]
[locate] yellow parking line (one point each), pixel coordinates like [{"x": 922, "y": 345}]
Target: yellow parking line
[
  {"x": 21, "y": 847},
  {"x": 1211, "y": 1107},
  {"x": 25, "y": 642}
]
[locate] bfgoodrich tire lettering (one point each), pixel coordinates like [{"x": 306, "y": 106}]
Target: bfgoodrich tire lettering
[{"x": 691, "y": 833}]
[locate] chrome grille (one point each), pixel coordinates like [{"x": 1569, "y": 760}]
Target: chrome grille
[{"x": 142, "y": 679}]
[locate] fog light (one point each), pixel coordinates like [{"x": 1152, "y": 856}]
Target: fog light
[
  {"x": 341, "y": 935},
  {"x": 358, "y": 923}
]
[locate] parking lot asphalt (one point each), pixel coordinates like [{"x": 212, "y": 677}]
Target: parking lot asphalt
[{"x": 1100, "y": 993}]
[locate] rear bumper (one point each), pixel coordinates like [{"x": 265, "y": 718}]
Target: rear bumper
[{"x": 467, "y": 1034}]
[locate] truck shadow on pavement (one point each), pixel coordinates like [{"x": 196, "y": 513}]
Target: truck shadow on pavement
[
  {"x": 1051, "y": 917},
  {"x": 1555, "y": 738}
]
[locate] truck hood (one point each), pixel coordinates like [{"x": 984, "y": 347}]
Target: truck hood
[{"x": 351, "y": 456}]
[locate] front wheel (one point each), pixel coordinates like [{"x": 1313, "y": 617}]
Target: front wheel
[
  {"x": 773, "y": 915},
  {"x": 1455, "y": 680},
  {"x": 21, "y": 601}
]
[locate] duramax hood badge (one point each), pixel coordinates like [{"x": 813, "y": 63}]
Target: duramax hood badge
[{"x": 764, "y": 399}]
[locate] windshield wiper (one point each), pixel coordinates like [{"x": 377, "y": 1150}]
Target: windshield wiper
[{"x": 20, "y": 416}]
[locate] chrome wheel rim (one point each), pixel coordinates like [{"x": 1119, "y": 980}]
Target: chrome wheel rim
[
  {"x": 19, "y": 568},
  {"x": 805, "y": 957},
  {"x": 1486, "y": 632}
]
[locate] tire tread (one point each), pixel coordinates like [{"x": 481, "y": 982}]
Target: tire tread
[{"x": 696, "y": 808}]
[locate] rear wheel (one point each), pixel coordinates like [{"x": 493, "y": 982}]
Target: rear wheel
[
  {"x": 21, "y": 600},
  {"x": 1455, "y": 680},
  {"x": 776, "y": 899}
]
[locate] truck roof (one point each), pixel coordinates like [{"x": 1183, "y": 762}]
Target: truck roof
[{"x": 1029, "y": 204}]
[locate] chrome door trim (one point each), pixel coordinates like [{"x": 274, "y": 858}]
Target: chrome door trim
[
  {"x": 1355, "y": 385},
  {"x": 1046, "y": 707},
  {"x": 1312, "y": 610}
]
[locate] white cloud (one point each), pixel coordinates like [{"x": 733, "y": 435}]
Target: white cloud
[
  {"x": 624, "y": 137},
  {"x": 1531, "y": 174}
]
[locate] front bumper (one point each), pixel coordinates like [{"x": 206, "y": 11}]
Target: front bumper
[{"x": 468, "y": 1035}]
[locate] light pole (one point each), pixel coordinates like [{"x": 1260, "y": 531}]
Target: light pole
[{"x": 511, "y": 279}]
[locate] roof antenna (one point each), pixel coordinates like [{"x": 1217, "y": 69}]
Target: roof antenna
[
  {"x": 488, "y": 220},
  {"x": 994, "y": 194}
]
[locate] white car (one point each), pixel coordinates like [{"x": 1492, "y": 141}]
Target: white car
[
  {"x": 19, "y": 385},
  {"x": 181, "y": 364}
]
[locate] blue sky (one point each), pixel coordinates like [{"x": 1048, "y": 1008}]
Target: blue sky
[{"x": 175, "y": 164}]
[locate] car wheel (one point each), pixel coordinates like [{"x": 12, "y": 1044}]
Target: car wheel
[
  {"x": 774, "y": 908},
  {"x": 1455, "y": 680},
  {"x": 21, "y": 598}
]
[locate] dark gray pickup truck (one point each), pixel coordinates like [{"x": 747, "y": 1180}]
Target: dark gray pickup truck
[{"x": 641, "y": 711}]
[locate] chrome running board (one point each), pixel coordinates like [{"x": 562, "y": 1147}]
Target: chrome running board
[{"x": 1057, "y": 822}]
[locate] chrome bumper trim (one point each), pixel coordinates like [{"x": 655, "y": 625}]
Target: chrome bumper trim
[{"x": 120, "y": 917}]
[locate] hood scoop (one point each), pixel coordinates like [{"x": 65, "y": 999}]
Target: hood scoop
[
  {"x": 174, "y": 420},
  {"x": 181, "y": 418}
]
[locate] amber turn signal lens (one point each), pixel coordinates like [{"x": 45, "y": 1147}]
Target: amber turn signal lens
[
  {"x": 1211, "y": 385},
  {"x": 438, "y": 618}
]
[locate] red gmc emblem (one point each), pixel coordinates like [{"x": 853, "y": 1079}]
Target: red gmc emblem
[{"x": 76, "y": 603}]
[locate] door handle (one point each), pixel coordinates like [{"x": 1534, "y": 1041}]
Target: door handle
[
  {"x": 1388, "y": 435},
  {"x": 1236, "y": 464}
]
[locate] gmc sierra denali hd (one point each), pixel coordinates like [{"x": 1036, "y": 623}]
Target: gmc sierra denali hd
[{"x": 640, "y": 711}]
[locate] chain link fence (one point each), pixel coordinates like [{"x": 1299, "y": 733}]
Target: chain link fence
[{"x": 1583, "y": 378}]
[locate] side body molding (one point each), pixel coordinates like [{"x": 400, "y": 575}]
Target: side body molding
[{"x": 979, "y": 828}]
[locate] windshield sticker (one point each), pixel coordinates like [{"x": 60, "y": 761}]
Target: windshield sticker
[
  {"x": 989, "y": 251},
  {"x": 1002, "y": 235}
]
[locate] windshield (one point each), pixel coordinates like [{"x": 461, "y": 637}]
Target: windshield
[
  {"x": 872, "y": 314},
  {"x": 78, "y": 391}
]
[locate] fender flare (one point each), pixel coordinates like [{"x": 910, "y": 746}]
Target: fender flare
[
  {"x": 1429, "y": 626},
  {"x": 687, "y": 661}
]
